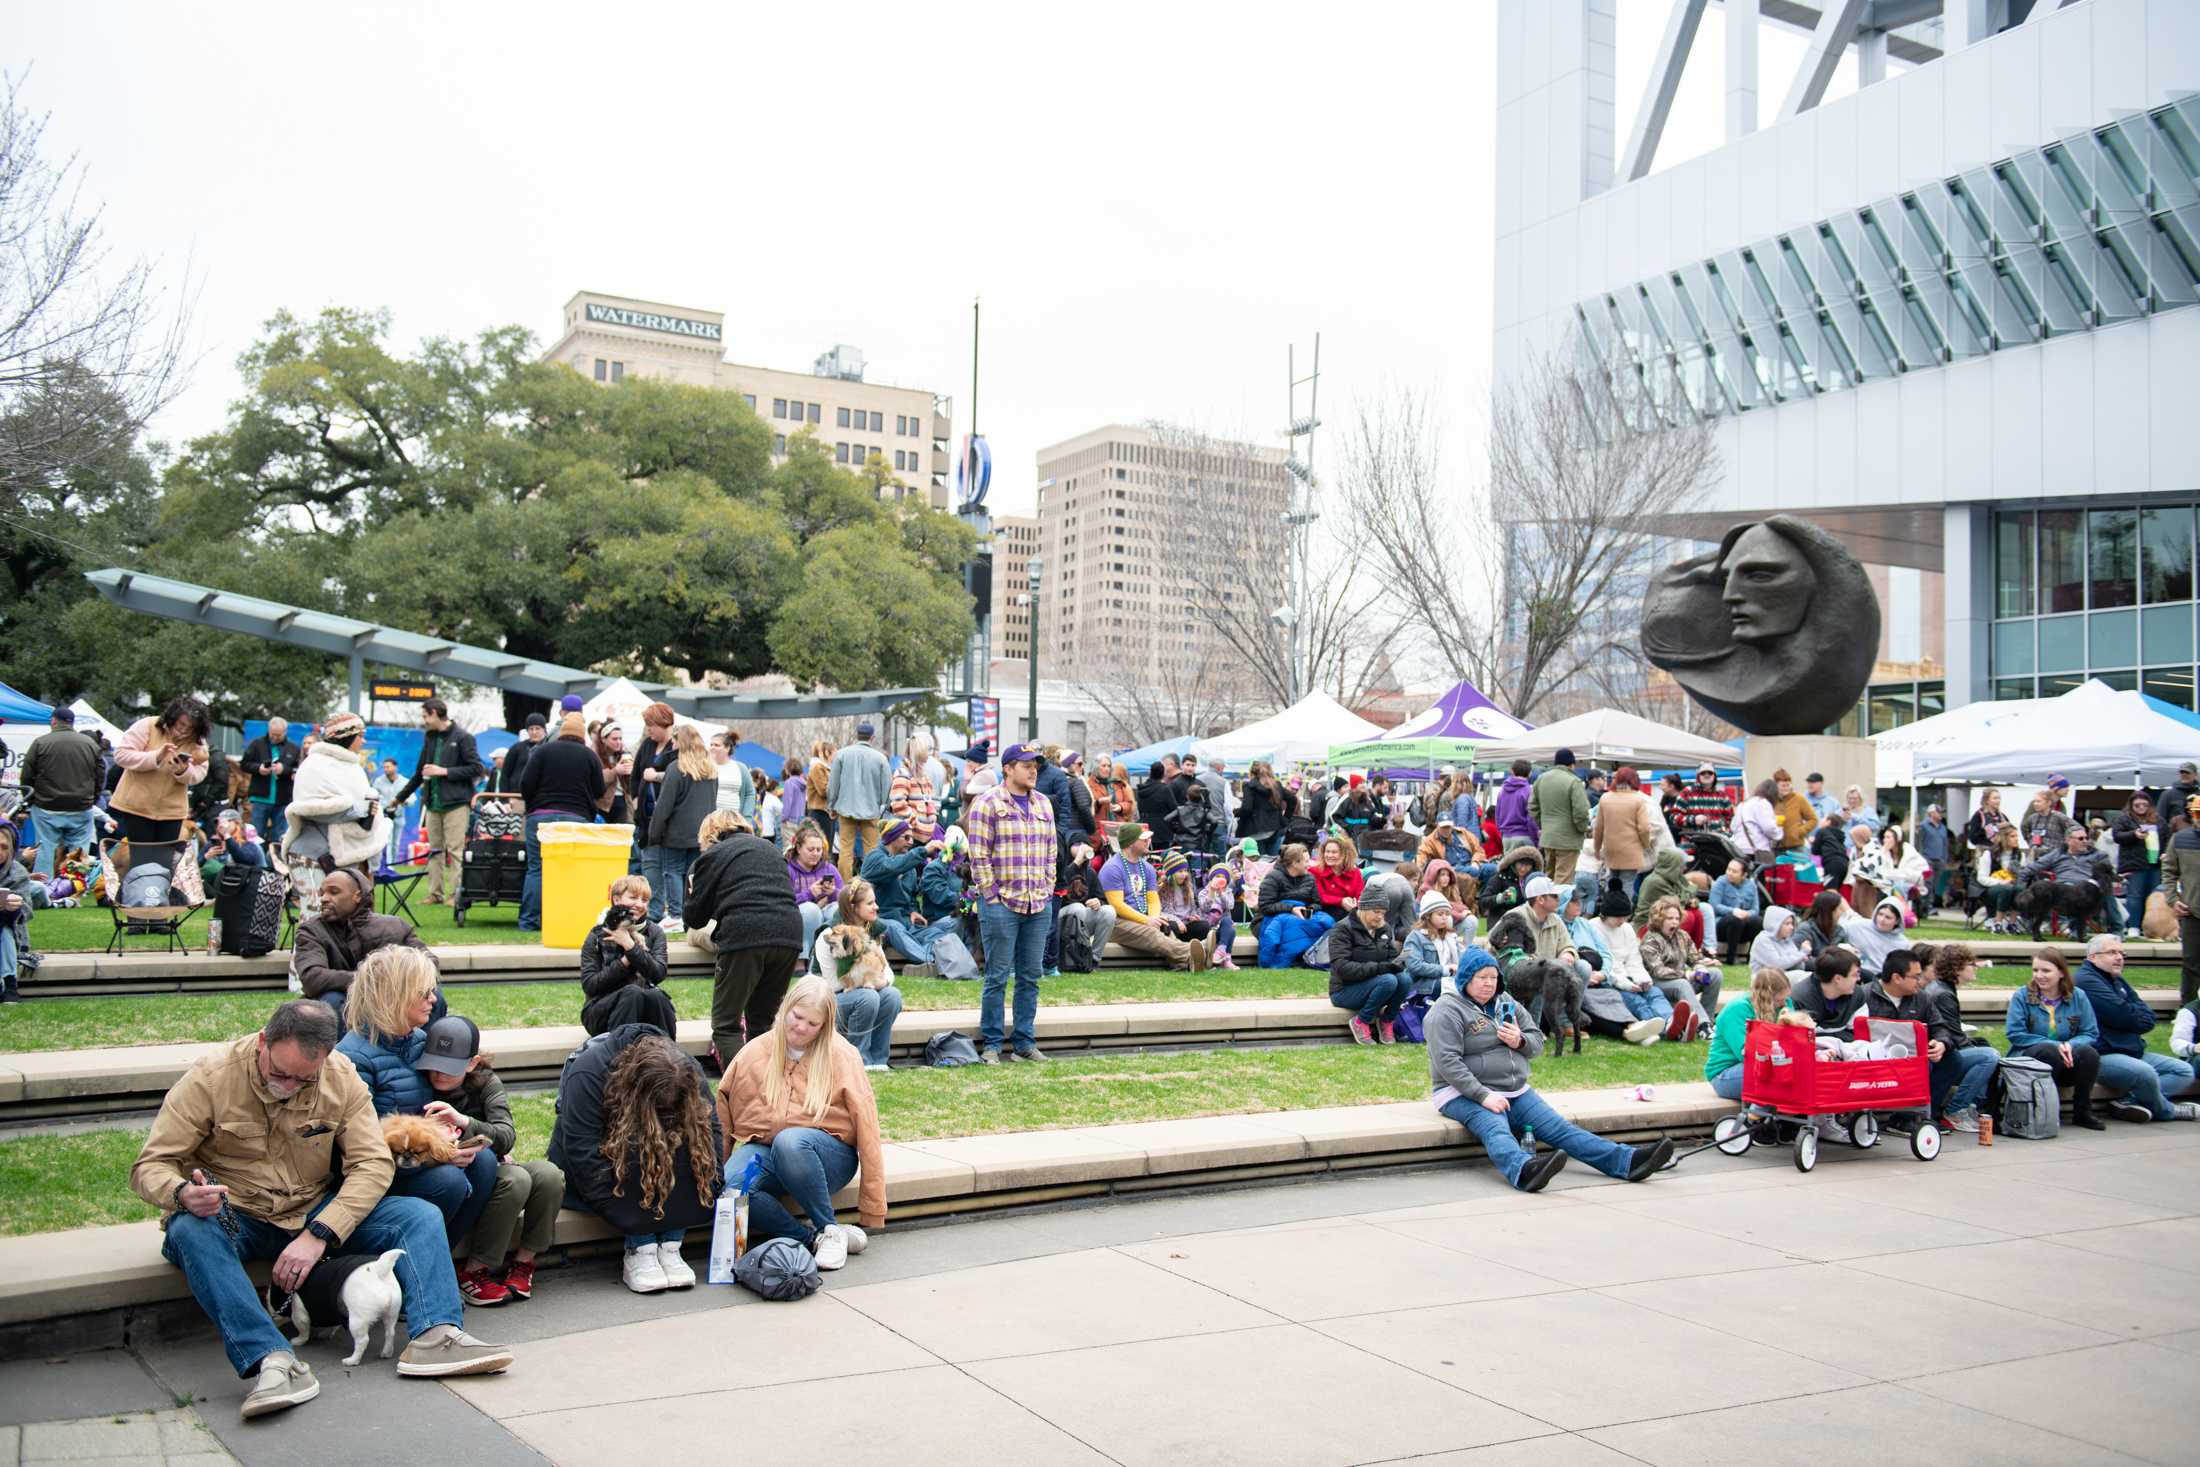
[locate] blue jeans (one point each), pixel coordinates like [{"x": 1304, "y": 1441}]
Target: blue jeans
[
  {"x": 213, "y": 1264},
  {"x": 1284, "y": 938},
  {"x": 9, "y": 962},
  {"x": 2138, "y": 886},
  {"x": 1727, "y": 1084},
  {"x": 1959, "y": 1081},
  {"x": 530, "y": 894},
  {"x": 2146, "y": 1079},
  {"x": 666, "y": 868},
  {"x": 799, "y": 1165},
  {"x": 865, "y": 1018},
  {"x": 1375, "y": 999},
  {"x": 57, "y": 831},
  {"x": 913, "y": 943},
  {"x": 1651, "y": 1005},
  {"x": 268, "y": 821},
  {"x": 458, "y": 1192},
  {"x": 815, "y": 917},
  {"x": 1015, "y": 946},
  {"x": 1500, "y": 1135}
]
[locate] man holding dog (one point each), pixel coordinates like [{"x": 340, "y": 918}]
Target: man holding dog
[{"x": 239, "y": 1163}]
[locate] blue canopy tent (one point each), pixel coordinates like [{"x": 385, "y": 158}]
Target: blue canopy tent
[
  {"x": 17, "y": 708},
  {"x": 1140, "y": 758}
]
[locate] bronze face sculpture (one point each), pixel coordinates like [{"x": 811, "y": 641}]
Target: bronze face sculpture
[{"x": 1775, "y": 632}]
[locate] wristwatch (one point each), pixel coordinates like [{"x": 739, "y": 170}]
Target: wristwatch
[{"x": 324, "y": 1232}]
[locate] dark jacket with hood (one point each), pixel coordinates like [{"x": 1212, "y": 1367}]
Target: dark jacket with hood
[
  {"x": 326, "y": 952},
  {"x": 1464, "y": 1052},
  {"x": 576, "y": 1142},
  {"x": 1356, "y": 954},
  {"x": 682, "y": 803},
  {"x": 741, "y": 885}
]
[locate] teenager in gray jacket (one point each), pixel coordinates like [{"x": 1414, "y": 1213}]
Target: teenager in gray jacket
[{"x": 1479, "y": 1045}]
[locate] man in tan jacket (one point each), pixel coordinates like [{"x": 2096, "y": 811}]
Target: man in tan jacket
[{"x": 240, "y": 1162}]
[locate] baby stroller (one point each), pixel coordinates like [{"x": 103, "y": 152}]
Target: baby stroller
[
  {"x": 493, "y": 870},
  {"x": 1789, "y": 1089}
]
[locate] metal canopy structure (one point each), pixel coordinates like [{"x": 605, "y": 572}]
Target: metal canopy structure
[{"x": 361, "y": 642}]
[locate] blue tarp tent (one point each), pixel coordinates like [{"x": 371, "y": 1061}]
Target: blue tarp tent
[
  {"x": 1137, "y": 760},
  {"x": 16, "y": 708}
]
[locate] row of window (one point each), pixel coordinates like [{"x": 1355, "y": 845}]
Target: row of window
[
  {"x": 800, "y": 412},
  {"x": 610, "y": 371},
  {"x": 2101, "y": 227},
  {"x": 2054, "y": 560}
]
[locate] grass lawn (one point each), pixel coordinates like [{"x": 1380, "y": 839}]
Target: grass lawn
[
  {"x": 53, "y": 1182},
  {"x": 88, "y": 929}
]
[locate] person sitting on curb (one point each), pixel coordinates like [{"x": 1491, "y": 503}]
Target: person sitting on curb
[
  {"x": 1434, "y": 946},
  {"x": 1479, "y": 1046},
  {"x": 2143, "y": 1082},
  {"x": 1735, "y": 912},
  {"x": 1651, "y": 1012},
  {"x": 1078, "y": 903},
  {"x": 1531, "y": 939},
  {"x": 863, "y": 1014},
  {"x": 817, "y": 882},
  {"x": 19, "y": 893},
  {"x": 1289, "y": 918},
  {"x": 895, "y": 870},
  {"x": 638, "y": 1143},
  {"x": 1899, "y": 992},
  {"x": 1689, "y": 979},
  {"x": 2051, "y": 1020},
  {"x": 1367, "y": 974},
  {"x": 1780, "y": 944},
  {"x": 623, "y": 965},
  {"x": 327, "y": 950},
  {"x": 1768, "y": 1004},
  {"x": 269, "y": 1148},
  {"x": 1829, "y": 995},
  {"x": 1872, "y": 939},
  {"x": 1954, "y": 965},
  {"x": 798, "y": 1102},
  {"x": 522, "y": 1214},
  {"x": 1133, "y": 889}
]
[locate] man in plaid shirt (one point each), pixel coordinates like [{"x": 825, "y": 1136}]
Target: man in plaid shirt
[{"x": 1012, "y": 862}]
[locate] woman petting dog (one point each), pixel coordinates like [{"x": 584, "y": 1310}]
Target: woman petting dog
[
  {"x": 392, "y": 998},
  {"x": 848, "y": 954}
]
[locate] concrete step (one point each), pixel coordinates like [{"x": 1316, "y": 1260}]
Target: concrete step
[
  {"x": 40, "y": 1085},
  {"x": 114, "y": 1270}
]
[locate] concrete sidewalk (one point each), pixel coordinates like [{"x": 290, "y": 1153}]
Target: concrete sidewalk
[{"x": 1732, "y": 1310}]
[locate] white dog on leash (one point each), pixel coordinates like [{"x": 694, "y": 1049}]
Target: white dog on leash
[{"x": 362, "y": 1291}]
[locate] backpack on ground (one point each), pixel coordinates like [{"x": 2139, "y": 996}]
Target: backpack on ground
[
  {"x": 1317, "y": 956},
  {"x": 2031, "y": 1109},
  {"x": 1077, "y": 952},
  {"x": 248, "y": 902},
  {"x": 147, "y": 884},
  {"x": 1413, "y": 1020},
  {"x": 778, "y": 1268},
  {"x": 949, "y": 1049},
  {"x": 951, "y": 959}
]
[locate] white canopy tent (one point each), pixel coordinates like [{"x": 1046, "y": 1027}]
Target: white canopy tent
[
  {"x": 622, "y": 703},
  {"x": 1608, "y": 736},
  {"x": 1300, "y": 734},
  {"x": 2091, "y": 735},
  {"x": 18, "y": 737}
]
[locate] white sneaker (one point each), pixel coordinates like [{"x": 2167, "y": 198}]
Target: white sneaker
[
  {"x": 643, "y": 1273},
  {"x": 2131, "y": 932},
  {"x": 1645, "y": 1031},
  {"x": 284, "y": 1381},
  {"x": 2186, "y": 1111},
  {"x": 673, "y": 926},
  {"x": 677, "y": 1274},
  {"x": 856, "y": 1239},
  {"x": 877, "y": 1069},
  {"x": 831, "y": 1248}
]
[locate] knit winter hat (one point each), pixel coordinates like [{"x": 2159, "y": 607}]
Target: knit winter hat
[
  {"x": 343, "y": 728},
  {"x": 1471, "y": 962},
  {"x": 1432, "y": 900},
  {"x": 1614, "y": 903},
  {"x": 1173, "y": 862},
  {"x": 572, "y": 726}
]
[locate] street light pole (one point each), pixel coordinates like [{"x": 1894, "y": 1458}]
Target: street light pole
[{"x": 1031, "y": 716}]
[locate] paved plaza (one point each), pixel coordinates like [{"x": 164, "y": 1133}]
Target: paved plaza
[{"x": 2031, "y": 1302}]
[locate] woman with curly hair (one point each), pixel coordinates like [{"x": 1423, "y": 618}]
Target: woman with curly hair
[
  {"x": 639, "y": 1144},
  {"x": 161, "y": 758},
  {"x": 799, "y": 1103}
]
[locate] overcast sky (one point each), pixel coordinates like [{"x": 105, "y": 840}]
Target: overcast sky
[{"x": 1154, "y": 201}]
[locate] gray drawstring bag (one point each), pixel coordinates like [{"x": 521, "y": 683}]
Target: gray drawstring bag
[{"x": 778, "y": 1268}]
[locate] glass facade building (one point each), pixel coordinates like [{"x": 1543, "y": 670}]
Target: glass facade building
[{"x": 2094, "y": 591}]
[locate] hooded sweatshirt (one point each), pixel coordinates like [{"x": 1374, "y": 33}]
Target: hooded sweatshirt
[
  {"x": 1667, "y": 878},
  {"x": 1466, "y": 1059},
  {"x": 1768, "y": 951},
  {"x": 1871, "y": 945},
  {"x": 1513, "y": 819}
]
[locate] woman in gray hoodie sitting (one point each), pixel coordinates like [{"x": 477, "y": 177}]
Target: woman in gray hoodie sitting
[{"x": 1479, "y": 1045}]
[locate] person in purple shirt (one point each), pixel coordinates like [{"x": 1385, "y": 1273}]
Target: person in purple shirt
[
  {"x": 794, "y": 797},
  {"x": 1515, "y": 826},
  {"x": 816, "y": 882}
]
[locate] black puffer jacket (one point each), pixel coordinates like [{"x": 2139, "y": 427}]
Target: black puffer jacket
[
  {"x": 576, "y": 1144},
  {"x": 1156, "y": 803},
  {"x": 1280, "y": 892},
  {"x": 1356, "y": 954}
]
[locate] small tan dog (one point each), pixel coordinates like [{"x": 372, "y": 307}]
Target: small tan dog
[
  {"x": 419, "y": 1141},
  {"x": 864, "y": 960}
]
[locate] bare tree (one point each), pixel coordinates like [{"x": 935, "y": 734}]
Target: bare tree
[
  {"x": 1224, "y": 504},
  {"x": 1181, "y": 691},
  {"x": 87, "y": 355},
  {"x": 1532, "y": 584}
]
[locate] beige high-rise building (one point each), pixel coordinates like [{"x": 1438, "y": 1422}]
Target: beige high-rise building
[
  {"x": 1139, "y": 529},
  {"x": 608, "y": 336},
  {"x": 1015, "y": 541}
]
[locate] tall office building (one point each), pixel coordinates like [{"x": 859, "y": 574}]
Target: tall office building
[
  {"x": 1139, "y": 530},
  {"x": 606, "y": 337},
  {"x": 1015, "y": 541},
  {"x": 1943, "y": 317}
]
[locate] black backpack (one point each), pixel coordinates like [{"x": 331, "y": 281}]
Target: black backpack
[
  {"x": 1077, "y": 954},
  {"x": 949, "y": 1049}
]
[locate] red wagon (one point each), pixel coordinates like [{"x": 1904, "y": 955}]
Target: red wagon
[{"x": 1789, "y": 1090}]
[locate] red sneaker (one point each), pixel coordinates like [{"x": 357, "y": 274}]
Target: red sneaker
[
  {"x": 478, "y": 1289},
  {"x": 1387, "y": 1032},
  {"x": 519, "y": 1281},
  {"x": 1361, "y": 1034}
]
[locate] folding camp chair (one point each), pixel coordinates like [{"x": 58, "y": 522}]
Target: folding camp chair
[{"x": 161, "y": 919}]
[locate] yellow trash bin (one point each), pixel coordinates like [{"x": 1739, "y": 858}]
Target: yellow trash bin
[{"x": 579, "y": 863}]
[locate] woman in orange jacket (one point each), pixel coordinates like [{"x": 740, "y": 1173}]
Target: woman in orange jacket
[{"x": 798, "y": 1101}]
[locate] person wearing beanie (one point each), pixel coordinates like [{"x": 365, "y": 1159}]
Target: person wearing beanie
[
  {"x": 532, "y": 732},
  {"x": 1479, "y": 1044},
  {"x": 1625, "y": 977},
  {"x": 563, "y": 780},
  {"x": 450, "y": 765},
  {"x": 1434, "y": 946},
  {"x": 334, "y": 818}
]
